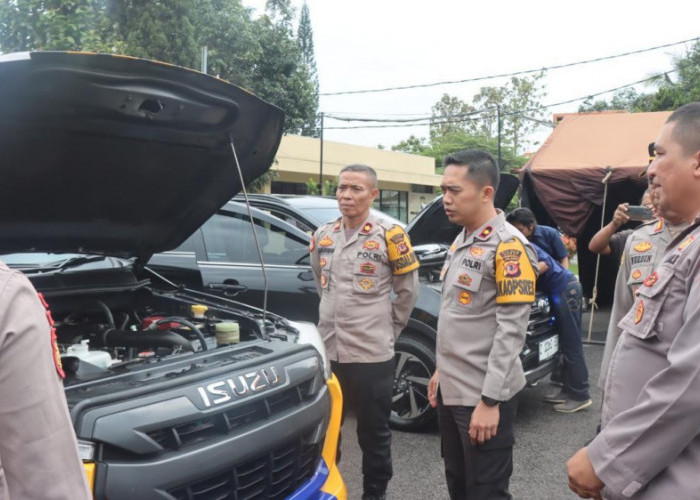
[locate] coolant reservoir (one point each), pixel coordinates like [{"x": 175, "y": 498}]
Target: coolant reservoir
[
  {"x": 227, "y": 332},
  {"x": 82, "y": 351}
]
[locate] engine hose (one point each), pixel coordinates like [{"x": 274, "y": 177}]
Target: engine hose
[
  {"x": 177, "y": 319},
  {"x": 145, "y": 338}
]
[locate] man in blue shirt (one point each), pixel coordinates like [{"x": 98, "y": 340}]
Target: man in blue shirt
[
  {"x": 564, "y": 291},
  {"x": 547, "y": 238}
]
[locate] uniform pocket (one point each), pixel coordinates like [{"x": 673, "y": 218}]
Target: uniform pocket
[
  {"x": 641, "y": 320},
  {"x": 637, "y": 274}
]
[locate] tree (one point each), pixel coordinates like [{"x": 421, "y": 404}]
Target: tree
[
  {"x": 449, "y": 115},
  {"x": 518, "y": 104},
  {"x": 305, "y": 38},
  {"x": 162, "y": 30},
  {"x": 56, "y": 25}
]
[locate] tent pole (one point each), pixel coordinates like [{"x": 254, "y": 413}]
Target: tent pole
[{"x": 594, "y": 297}]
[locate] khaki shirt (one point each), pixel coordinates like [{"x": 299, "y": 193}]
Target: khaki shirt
[
  {"x": 38, "y": 448},
  {"x": 358, "y": 320},
  {"x": 649, "y": 445},
  {"x": 487, "y": 291},
  {"x": 644, "y": 249}
]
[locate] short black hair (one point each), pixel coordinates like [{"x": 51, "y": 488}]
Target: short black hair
[
  {"x": 687, "y": 129},
  {"x": 483, "y": 169},
  {"x": 522, "y": 215}
]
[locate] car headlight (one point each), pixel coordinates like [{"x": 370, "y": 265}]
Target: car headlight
[
  {"x": 543, "y": 305},
  {"x": 308, "y": 334}
]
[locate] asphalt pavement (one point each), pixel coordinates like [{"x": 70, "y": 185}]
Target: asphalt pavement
[{"x": 545, "y": 440}]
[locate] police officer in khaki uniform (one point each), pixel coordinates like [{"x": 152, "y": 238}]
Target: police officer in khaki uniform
[
  {"x": 644, "y": 249},
  {"x": 357, "y": 261},
  {"x": 488, "y": 285},
  {"x": 38, "y": 449},
  {"x": 649, "y": 444}
]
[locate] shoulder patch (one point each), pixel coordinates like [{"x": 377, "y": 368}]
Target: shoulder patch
[
  {"x": 54, "y": 342},
  {"x": 312, "y": 244},
  {"x": 515, "y": 276},
  {"x": 367, "y": 228},
  {"x": 401, "y": 255},
  {"x": 485, "y": 233}
]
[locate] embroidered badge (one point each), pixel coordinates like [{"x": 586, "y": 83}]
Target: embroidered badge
[
  {"x": 402, "y": 248},
  {"x": 687, "y": 242},
  {"x": 636, "y": 274},
  {"x": 465, "y": 298},
  {"x": 325, "y": 241},
  {"x": 397, "y": 238},
  {"x": 368, "y": 268},
  {"x": 370, "y": 245},
  {"x": 476, "y": 251},
  {"x": 442, "y": 272},
  {"x": 365, "y": 283},
  {"x": 312, "y": 244},
  {"x": 639, "y": 312},
  {"x": 366, "y": 228},
  {"x": 651, "y": 279},
  {"x": 453, "y": 246},
  {"x": 324, "y": 280},
  {"x": 485, "y": 233},
  {"x": 642, "y": 247},
  {"x": 337, "y": 225},
  {"x": 511, "y": 259},
  {"x": 464, "y": 279},
  {"x": 322, "y": 262}
]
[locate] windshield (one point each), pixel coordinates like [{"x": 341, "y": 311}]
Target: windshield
[{"x": 41, "y": 261}]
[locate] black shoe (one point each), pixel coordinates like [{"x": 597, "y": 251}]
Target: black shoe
[{"x": 374, "y": 491}]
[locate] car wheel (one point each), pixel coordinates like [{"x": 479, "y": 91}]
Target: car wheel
[{"x": 415, "y": 364}]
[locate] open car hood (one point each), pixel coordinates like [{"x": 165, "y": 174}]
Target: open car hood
[
  {"x": 431, "y": 225},
  {"x": 120, "y": 156}
]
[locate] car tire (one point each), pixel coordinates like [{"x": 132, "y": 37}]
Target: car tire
[{"x": 415, "y": 364}]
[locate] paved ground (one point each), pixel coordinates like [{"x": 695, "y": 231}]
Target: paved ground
[{"x": 545, "y": 440}]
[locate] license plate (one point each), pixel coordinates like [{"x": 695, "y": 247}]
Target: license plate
[{"x": 549, "y": 347}]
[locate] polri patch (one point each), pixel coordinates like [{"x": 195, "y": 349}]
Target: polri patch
[
  {"x": 322, "y": 262},
  {"x": 636, "y": 274},
  {"x": 686, "y": 243},
  {"x": 465, "y": 298},
  {"x": 324, "y": 280},
  {"x": 326, "y": 241},
  {"x": 370, "y": 245},
  {"x": 366, "y": 228}
]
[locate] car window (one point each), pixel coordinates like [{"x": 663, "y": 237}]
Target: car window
[{"x": 229, "y": 238}]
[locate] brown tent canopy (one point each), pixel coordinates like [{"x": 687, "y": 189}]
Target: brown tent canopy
[
  {"x": 565, "y": 174},
  {"x": 562, "y": 182}
]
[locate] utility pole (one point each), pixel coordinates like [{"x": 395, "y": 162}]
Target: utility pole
[{"x": 320, "y": 174}]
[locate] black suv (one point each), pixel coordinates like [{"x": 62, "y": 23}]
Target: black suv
[
  {"x": 223, "y": 253},
  {"x": 105, "y": 161}
]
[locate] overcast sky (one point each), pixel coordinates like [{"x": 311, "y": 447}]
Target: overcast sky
[{"x": 362, "y": 44}]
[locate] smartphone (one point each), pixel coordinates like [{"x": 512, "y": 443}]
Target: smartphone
[{"x": 638, "y": 212}]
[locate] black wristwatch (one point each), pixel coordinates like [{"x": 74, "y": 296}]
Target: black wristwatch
[{"x": 489, "y": 401}]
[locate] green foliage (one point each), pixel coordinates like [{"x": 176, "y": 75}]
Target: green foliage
[
  {"x": 312, "y": 187},
  {"x": 449, "y": 115},
  {"x": 259, "y": 184},
  {"x": 260, "y": 54},
  {"x": 305, "y": 38}
]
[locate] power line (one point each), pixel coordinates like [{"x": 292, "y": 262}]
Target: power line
[
  {"x": 463, "y": 117},
  {"x": 502, "y": 75}
]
